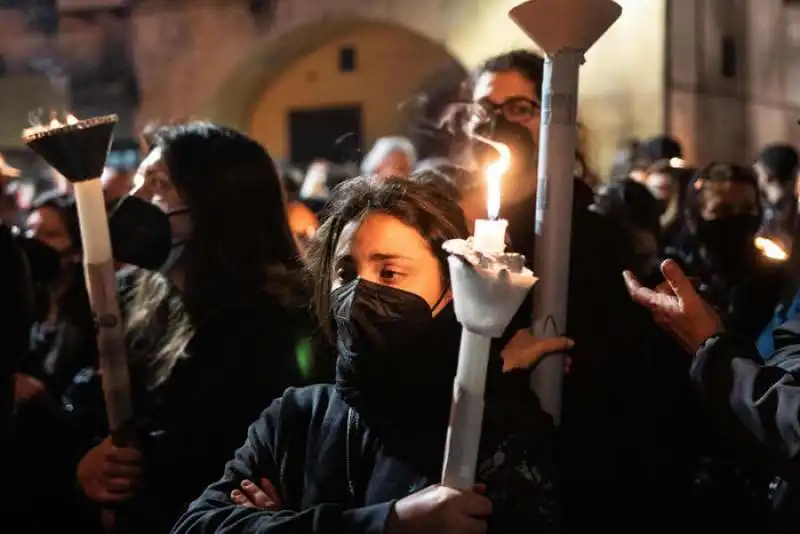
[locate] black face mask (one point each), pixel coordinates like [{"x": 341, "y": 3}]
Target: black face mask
[
  {"x": 730, "y": 240},
  {"x": 516, "y": 137},
  {"x": 396, "y": 362},
  {"x": 140, "y": 233}
]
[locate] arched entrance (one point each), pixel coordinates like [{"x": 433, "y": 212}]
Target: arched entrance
[{"x": 372, "y": 77}]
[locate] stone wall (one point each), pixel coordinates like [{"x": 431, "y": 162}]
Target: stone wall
[{"x": 731, "y": 116}]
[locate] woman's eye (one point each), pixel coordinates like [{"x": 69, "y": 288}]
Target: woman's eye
[{"x": 389, "y": 275}]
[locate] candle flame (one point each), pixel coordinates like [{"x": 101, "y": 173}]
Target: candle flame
[
  {"x": 494, "y": 175},
  {"x": 770, "y": 249}
]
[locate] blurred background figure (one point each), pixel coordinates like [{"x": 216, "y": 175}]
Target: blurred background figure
[
  {"x": 625, "y": 159},
  {"x": 664, "y": 183},
  {"x": 776, "y": 169},
  {"x": 723, "y": 215},
  {"x": 390, "y": 156},
  {"x": 62, "y": 339},
  {"x": 638, "y": 212},
  {"x": 8, "y": 202},
  {"x": 117, "y": 182}
]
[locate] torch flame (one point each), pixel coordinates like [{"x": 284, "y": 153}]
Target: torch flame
[
  {"x": 494, "y": 174},
  {"x": 37, "y": 127},
  {"x": 770, "y": 249}
]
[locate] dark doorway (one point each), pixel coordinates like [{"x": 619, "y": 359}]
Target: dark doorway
[{"x": 333, "y": 134}]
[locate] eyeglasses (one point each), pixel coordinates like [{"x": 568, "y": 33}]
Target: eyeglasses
[{"x": 515, "y": 109}]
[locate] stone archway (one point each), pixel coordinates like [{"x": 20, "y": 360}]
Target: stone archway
[
  {"x": 213, "y": 59},
  {"x": 395, "y": 67}
]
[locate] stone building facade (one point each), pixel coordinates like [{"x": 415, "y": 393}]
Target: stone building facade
[{"x": 252, "y": 63}]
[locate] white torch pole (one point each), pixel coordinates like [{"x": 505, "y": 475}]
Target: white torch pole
[
  {"x": 78, "y": 150},
  {"x": 102, "y": 289},
  {"x": 565, "y": 30}
]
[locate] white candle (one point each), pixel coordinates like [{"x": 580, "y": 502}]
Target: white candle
[
  {"x": 93, "y": 221},
  {"x": 490, "y": 236}
]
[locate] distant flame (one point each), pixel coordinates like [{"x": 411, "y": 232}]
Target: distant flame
[
  {"x": 771, "y": 249},
  {"x": 677, "y": 163},
  {"x": 494, "y": 175}
]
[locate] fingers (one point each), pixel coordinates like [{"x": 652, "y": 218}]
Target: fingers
[
  {"x": 252, "y": 496},
  {"x": 270, "y": 490},
  {"x": 256, "y": 495},
  {"x": 554, "y": 344},
  {"x": 677, "y": 280},
  {"x": 119, "y": 485},
  {"x": 640, "y": 294},
  {"x": 524, "y": 350},
  {"x": 107, "y": 497},
  {"x": 117, "y": 470},
  {"x": 124, "y": 455},
  {"x": 469, "y": 525},
  {"x": 475, "y": 505},
  {"x": 239, "y": 499}
]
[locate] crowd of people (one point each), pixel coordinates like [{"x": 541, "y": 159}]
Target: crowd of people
[{"x": 292, "y": 341}]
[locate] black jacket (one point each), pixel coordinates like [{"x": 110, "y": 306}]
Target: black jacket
[
  {"x": 334, "y": 474},
  {"x": 235, "y": 364},
  {"x": 606, "y": 426}
]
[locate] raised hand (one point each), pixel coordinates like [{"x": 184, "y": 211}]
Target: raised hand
[{"x": 677, "y": 307}]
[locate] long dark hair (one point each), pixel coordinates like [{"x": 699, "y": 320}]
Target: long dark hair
[
  {"x": 241, "y": 243},
  {"x": 424, "y": 206},
  {"x": 241, "y": 249}
]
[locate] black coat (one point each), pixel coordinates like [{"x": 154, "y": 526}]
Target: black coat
[
  {"x": 335, "y": 474},
  {"x": 235, "y": 364},
  {"x": 757, "y": 407},
  {"x": 606, "y": 428}
]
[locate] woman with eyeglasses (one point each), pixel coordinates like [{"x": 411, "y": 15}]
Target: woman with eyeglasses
[{"x": 610, "y": 334}]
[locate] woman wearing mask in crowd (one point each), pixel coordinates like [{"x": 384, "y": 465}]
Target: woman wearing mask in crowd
[
  {"x": 663, "y": 182},
  {"x": 723, "y": 215},
  {"x": 753, "y": 405},
  {"x": 62, "y": 339},
  {"x": 505, "y": 94},
  {"x": 212, "y": 338},
  {"x": 365, "y": 455},
  {"x": 722, "y": 218}
]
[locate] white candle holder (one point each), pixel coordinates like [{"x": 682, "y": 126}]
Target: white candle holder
[{"x": 488, "y": 289}]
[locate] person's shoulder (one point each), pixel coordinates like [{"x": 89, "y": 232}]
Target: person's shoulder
[
  {"x": 305, "y": 401},
  {"x": 298, "y": 407}
]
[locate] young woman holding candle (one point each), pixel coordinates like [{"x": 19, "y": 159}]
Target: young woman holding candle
[
  {"x": 212, "y": 338},
  {"x": 365, "y": 454}
]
